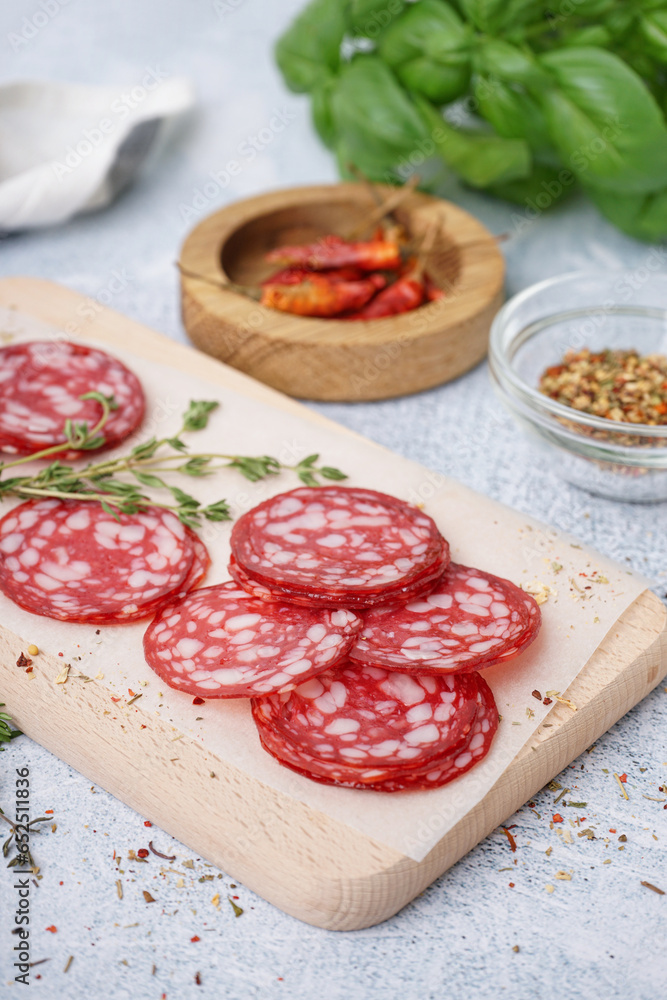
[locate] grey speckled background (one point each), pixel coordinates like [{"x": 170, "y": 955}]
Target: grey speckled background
[{"x": 598, "y": 934}]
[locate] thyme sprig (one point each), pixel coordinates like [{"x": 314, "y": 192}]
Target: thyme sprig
[
  {"x": 100, "y": 482},
  {"x": 6, "y": 733}
]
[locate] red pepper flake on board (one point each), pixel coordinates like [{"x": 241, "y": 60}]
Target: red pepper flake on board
[
  {"x": 197, "y": 700},
  {"x": 142, "y": 853},
  {"x": 52, "y": 929},
  {"x": 557, "y": 818},
  {"x": 23, "y": 661},
  {"x": 147, "y": 822},
  {"x": 623, "y": 777},
  {"x": 195, "y": 938}
]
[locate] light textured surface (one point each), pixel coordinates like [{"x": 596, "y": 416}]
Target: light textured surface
[{"x": 599, "y": 933}]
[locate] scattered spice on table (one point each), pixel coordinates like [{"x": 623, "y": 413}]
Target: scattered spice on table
[
  {"x": 620, "y": 785},
  {"x": 653, "y": 888},
  {"x": 615, "y": 384}
]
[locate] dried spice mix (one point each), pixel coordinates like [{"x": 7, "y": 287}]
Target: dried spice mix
[{"x": 618, "y": 385}]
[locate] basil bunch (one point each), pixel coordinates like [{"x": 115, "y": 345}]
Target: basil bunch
[{"x": 519, "y": 98}]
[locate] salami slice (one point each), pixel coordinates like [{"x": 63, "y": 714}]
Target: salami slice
[
  {"x": 454, "y": 761},
  {"x": 201, "y": 562},
  {"x": 41, "y": 383},
  {"x": 264, "y": 591},
  {"x": 334, "y": 545},
  {"x": 471, "y": 620},
  {"x": 70, "y": 560},
  {"x": 219, "y": 642},
  {"x": 371, "y": 718}
]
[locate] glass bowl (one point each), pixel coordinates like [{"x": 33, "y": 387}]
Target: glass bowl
[{"x": 618, "y": 310}]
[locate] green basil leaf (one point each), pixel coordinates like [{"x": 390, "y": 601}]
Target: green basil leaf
[
  {"x": 440, "y": 84},
  {"x": 309, "y": 51},
  {"x": 653, "y": 28},
  {"x": 376, "y": 122},
  {"x": 492, "y": 15},
  {"x": 603, "y": 121},
  {"x": 497, "y": 58},
  {"x": 514, "y": 114},
  {"x": 641, "y": 216},
  {"x": 546, "y": 187},
  {"x": 368, "y": 18},
  {"x": 619, "y": 20},
  {"x": 430, "y": 27},
  {"x": 321, "y": 111},
  {"x": 428, "y": 48},
  {"x": 593, "y": 34},
  {"x": 478, "y": 158}
]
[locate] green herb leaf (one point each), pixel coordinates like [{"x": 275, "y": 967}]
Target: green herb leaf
[
  {"x": 6, "y": 732},
  {"x": 148, "y": 479},
  {"x": 145, "y": 450},
  {"x": 309, "y": 51},
  {"x": 330, "y": 473},
  {"x": 177, "y": 444},
  {"x": 307, "y": 477},
  {"x": 99, "y": 397},
  {"x": 480, "y": 159},
  {"x": 604, "y": 122},
  {"x": 255, "y": 468},
  {"x": 217, "y": 511},
  {"x": 195, "y": 467},
  {"x": 196, "y": 416},
  {"x": 184, "y": 499},
  {"x": 429, "y": 48}
]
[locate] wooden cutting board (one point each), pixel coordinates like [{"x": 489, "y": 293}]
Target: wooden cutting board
[{"x": 309, "y": 865}]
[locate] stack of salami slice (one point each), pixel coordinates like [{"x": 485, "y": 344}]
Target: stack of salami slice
[{"x": 356, "y": 638}]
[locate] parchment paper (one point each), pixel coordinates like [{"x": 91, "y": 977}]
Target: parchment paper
[{"x": 586, "y": 593}]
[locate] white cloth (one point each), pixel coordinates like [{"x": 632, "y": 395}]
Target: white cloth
[{"x": 67, "y": 148}]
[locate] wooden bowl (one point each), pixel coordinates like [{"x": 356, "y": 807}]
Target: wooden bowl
[{"x": 331, "y": 359}]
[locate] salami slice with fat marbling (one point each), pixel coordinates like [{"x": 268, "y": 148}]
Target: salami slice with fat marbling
[
  {"x": 464, "y": 743},
  {"x": 69, "y": 559},
  {"x": 266, "y": 591},
  {"x": 369, "y": 717},
  {"x": 334, "y": 545},
  {"x": 219, "y": 642},
  {"x": 470, "y": 620},
  {"x": 41, "y": 382}
]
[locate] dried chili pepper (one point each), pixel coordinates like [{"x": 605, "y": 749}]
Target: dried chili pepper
[
  {"x": 295, "y": 275},
  {"x": 333, "y": 251},
  {"x": 317, "y": 295},
  {"x": 404, "y": 295}
]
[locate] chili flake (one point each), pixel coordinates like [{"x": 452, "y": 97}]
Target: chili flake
[{"x": 619, "y": 385}]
